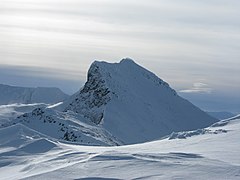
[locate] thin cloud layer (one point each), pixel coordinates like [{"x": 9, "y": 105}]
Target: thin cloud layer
[
  {"x": 181, "y": 41},
  {"x": 198, "y": 88}
]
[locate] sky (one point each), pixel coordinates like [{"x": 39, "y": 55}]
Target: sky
[{"x": 193, "y": 45}]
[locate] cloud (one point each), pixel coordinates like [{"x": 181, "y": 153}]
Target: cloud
[
  {"x": 198, "y": 88},
  {"x": 180, "y": 41}
]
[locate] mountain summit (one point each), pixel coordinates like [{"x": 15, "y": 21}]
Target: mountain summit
[{"x": 133, "y": 104}]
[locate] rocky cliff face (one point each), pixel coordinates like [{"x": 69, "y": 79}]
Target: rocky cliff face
[{"x": 93, "y": 97}]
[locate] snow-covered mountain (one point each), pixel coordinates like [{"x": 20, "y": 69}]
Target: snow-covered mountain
[
  {"x": 133, "y": 104},
  {"x": 121, "y": 103},
  {"x": 14, "y": 94}
]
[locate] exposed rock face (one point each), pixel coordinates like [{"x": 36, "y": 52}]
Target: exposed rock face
[{"x": 92, "y": 97}]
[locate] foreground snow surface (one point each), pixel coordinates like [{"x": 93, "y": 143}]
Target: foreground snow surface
[{"x": 27, "y": 154}]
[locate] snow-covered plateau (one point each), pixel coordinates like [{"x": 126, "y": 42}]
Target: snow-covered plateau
[{"x": 124, "y": 123}]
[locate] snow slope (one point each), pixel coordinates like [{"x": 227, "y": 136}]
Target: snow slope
[
  {"x": 13, "y": 94},
  {"x": 133, "y": 104},
  {"x": 26, "y": 154},
  {"x": 65, "y": 127}
]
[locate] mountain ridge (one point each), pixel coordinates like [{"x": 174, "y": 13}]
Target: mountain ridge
[{"x": 27, "y": 95}]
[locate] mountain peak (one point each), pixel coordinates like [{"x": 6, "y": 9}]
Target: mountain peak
[
  {"x": 110, "y": 81},
  {"x": 127, "y": 60},
  {"x": 134, "y": 104},
  {"x": 126, "y": 69}
]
